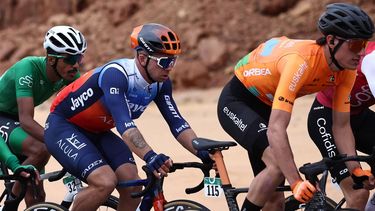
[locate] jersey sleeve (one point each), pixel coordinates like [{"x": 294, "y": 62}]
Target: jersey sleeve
[
  {"x": 113, "y": 81},
  {"x": 368, "y": 69},
  {"x": 169, "y": 110},
  {"x": 341, "y": 97},
  {"x": 293, "y": 73},
  {"x": 24, "y": 79}
]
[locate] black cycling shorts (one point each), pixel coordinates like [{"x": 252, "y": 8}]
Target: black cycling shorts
[
  {"x": 245, "y": 118},
  {"x": 320, "y": 131}
]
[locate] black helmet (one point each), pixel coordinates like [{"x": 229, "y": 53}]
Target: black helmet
[
  {"x": 155, "y": 38},
  {"x": 346, "y": 21}
]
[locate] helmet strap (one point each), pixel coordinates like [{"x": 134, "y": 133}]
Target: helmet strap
[
  {"x": 54, "y": 67},
  {"x": 333, "y": 51},
  {"x": 145, "y": 67},
  {"x": 147, "y": 73}
]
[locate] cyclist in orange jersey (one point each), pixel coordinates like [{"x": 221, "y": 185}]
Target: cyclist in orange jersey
[{"x": 255, "y": 107}]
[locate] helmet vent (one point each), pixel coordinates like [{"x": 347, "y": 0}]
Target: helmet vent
[
  {"x": 56, "y": 42},
  {"x": 167, "y": 46},
  {"x": 171, "y": 36},
  {"x": 157, "y": 45},
  {"x": 79, "y": 45},
  {"x": 71, "y": 51},
  {"x": 174, "y": 46},
  {"x": 164, "y": 38},
  {"x": 66, "y": 40}
]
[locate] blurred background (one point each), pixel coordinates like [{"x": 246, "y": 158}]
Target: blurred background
[{"x": 214, "y": 33}]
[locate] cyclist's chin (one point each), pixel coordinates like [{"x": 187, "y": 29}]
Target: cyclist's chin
[
  {"x": 163, "y": 78},
  {"x": 69, "y": 77},
  {"x": 350, "y": 66}
]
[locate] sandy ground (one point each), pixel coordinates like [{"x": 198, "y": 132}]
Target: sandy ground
[{"x": 199, "y": 108}]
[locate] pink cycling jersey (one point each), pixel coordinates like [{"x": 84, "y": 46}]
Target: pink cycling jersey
[{"x": 361, "y": 96}]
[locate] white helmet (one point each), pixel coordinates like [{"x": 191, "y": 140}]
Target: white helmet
[{"x": 65, "y": 39}]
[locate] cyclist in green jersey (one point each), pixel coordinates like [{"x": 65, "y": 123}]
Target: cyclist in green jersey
[{"x": 27, "y": 84}]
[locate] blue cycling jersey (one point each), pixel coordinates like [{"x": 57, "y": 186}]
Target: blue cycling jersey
[{"x": 113, "y": 95}]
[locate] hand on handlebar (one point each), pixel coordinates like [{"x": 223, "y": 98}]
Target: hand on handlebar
[
  {"x": 159, "y": 164},
  {"x": 26, "y": 171},
  {"x": 363, "y": 179},
  {"x": 303, "y": 191}
]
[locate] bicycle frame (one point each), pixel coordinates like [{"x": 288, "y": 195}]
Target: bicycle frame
[
  {"x": 153, "y": 195},
  {"x": 216, "y": 148}
]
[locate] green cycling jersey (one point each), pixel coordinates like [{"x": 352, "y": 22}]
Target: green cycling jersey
[{"x": 27, "y": 78}]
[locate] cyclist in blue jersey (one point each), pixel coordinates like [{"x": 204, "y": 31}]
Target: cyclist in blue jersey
[
  {"x": 78, "y": 130},
  {"x": 27, "y": 84}
]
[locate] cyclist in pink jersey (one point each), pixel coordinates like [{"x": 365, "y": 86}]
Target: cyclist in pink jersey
[
  {"x": 255, "y": 107},
  {"x": 362, "y": 120}
]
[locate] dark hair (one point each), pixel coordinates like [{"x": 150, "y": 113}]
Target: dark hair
[{"x": 321, "y": 41}]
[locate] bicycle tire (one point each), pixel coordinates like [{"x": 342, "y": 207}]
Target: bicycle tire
[
  {"x": 182, "y": 204},
  {"x": 292, "y": 204},
  {"x": 46, "y": 206}
]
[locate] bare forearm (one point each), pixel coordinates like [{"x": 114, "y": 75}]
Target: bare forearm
[
  {"x": 33, "y": 128},
  {"x": 135, "y": 141},
  {"x": 185, "y": 139},
  {"x": 283, "y": 155},
  {"x": 345, "y": 143}
]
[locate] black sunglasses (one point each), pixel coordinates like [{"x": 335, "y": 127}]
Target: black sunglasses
[{"x": 69, "y": 59}]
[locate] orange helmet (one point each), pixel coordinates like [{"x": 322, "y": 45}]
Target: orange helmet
[{"x": 155, "y": 38}]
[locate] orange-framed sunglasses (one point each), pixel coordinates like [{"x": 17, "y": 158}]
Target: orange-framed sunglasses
[{"x": 355, "y": 45}]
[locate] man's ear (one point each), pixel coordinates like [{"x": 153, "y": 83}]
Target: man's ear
[
  {"x": 142, "y": 58},
  {"x": 51, "y": 60},
  {"x": 331, "y": 40}
]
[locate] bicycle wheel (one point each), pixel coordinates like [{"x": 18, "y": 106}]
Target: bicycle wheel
[
  {"x": 293, "y": 204},
  {"x": 110, "y": 204},
  {"x": 46, "y": 206},
  {"x": 182, "y": 204}
]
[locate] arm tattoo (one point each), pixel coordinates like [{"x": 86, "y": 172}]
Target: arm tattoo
[{"x": 136, "y": 138}]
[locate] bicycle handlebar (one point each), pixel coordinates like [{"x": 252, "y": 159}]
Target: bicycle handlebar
[
  {"x": 205, "y": 168},
  {"x": 23, "y": 182},
  {"x": 151, "y": 179},
  {"x": 55, "y": 176},
  {"x": 312, "y": 170}
]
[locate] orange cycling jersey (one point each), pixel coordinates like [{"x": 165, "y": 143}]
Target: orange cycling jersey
[{"x": 282, "y": 69}]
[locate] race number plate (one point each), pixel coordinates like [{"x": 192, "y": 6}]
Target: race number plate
[
  {"x": 212, "y": 187},
  {"x": 71, "y": 185}
]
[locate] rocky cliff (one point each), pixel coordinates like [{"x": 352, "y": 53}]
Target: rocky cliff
[{"x": 214, "y": 33}]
